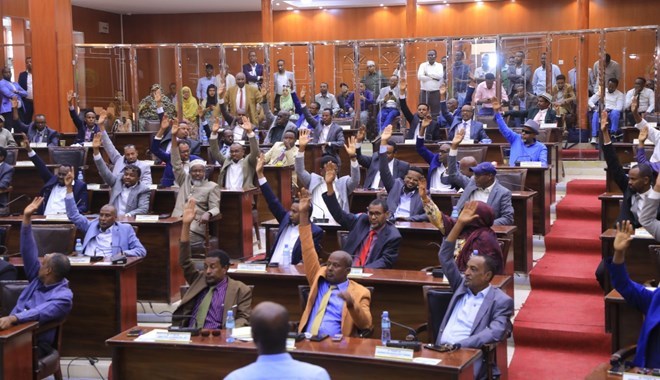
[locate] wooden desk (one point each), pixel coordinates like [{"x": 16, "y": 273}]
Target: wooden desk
[
  {"x": 630, "y": 134},
  {"x": 279, "y": 179},
  {"x": 16, "y": 351},
  {"x": 554, "y": 134},
  {"x": 351, "y": 358},
  {"x": 104, "y": 304},
  {"x": 235, "y": 229},
  {"x": 539, "y": 180},
  {"x": 641, "y": 264},
  {"x": 622, "y": 320},
  {"x": 610, "y": 204}
]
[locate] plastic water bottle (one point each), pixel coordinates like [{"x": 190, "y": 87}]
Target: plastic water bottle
[
  {"x": 385, "y": 335},
  {"x": 229, "y": 326},
  {"x": 80, "y": 176},
  {"x": 78, "y": 248},
  {"x": 454, "y": 213},
  {"x": 205, "y": 139},
  {"x": 286, "y": 257}
]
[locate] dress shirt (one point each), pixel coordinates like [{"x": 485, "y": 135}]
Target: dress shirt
[
  {"x": 241, "y": 94},
  {"x": 646, "y": 101},
  {"x": 29, "y": 86},
  {"x": 436, "y": 182},
  {"x": 480, "y": 72},
  {"x": 430, "y": 76},
  {"x": 288, "y": 237},
  {"x": 282, "y": 80},
  {"x": 482, "y": 93},
  {"x": 538, "y": 79},
  {"x": 55, "y": 201},
  {"x": 467, "y": 125},
  {"x": 320, "y": 210},
  {"x": 376, "y": 183},
  {"x": 238, "y": 133},
  {"x": 386, "y": 90},
  {"x": 540, "y": 116},
  {"x": 613, "y": 100},
  {"x": 216, "y": 309},
  {"x": 331, "y": 323},
  {"x": 459, "y": 326},
  {"x": 327, "y": 101},
  {"x": 279, "y": 367},
  {"x": 481, "y": 195},
  {"x": 122, "y": 200},
  {"x": 324, "y": 133},
  {"x": 234, "y": 180},
  {"x": 202, "y": 84},
  {"x": 101, "y": 245},
  {"x": 403, "y": 210},
  {"x": 638, "y": 200}
]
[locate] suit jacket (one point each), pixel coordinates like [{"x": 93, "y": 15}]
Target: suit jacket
[
  {"x": 385, "y": 251},
  {"x": 530, "y": 113},
  {"x": 648, "y": 217},
  {"x": 394, "y": 187},
  {"x": 6, "y": 176},
  {"x": 50, "y": 181},
  {"x": 284, "y": 219},
  {"x": 621, "y": 178},
  {"x": 477, "y": 132},
  {"x": 492, "y": 322},
  {"x": 23, "y": 80},
  {"x": 237, "y": 293},
  {"x": 525, "y": 78},
  {"x": 138, "y": 196},
  {"x": 252, "y": 99},
  {"x": 52, "y": 137},
  {"x": 432, "y": 131},
  {"x": 335, "y": 139},
  {"x": 7, "y": 92},
  {"x": 446, "y": 118},
  {"x": 119, "y": 162},
  {"x": 358, "y": 317},
  {"x": 81, "y": 127},
  {"x": 433, "y": 159},
  {"x": 249, "y": 78},
  {"x": 372, "y": 165},
  {"x": 249, "y": 163},
  {"x": 158, "y": 151},
  {"x": 195, "y": 146},
  {"x": 270, "y": 121},
  {"x": 123, "y": 234},
  {"x": 345, "y": 184}
]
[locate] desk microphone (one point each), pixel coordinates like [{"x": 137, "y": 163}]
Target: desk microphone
[
  {"x": 320, "y": 220},
  {"x": 411, "y": 341},
  {"x": 95, "y": 258},
  {"x": 193, "y": 330}
]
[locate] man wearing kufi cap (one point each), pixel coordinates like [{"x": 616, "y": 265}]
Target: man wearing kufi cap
[{"x": 374, "y": 79}]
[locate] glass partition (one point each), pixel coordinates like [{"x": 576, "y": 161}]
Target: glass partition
[{"x": 422, "y": 73}]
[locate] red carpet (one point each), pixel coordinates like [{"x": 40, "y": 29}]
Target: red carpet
[{"x": 560, "y": 331}]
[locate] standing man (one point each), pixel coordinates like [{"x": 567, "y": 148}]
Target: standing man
[
  {"x": 25, "y": 81},
  {"x": 373, "y": 79},
  {"x": 461, "y": 77},
  {"x": 326, "y": 99},
  {"x": 485, "y": 68},
  {"x": 253, "y": 71},
  {"x": 612, "y": 69},
  {"x": 204, "y": 82},
  {"x": 9, "y": 90},
  {"x": 431, "y": 76},
  {"x": 281, "y": 79},
  {"x": 520, "y": 73},
  {"x": 241, "y": 99},
  {"x": 538, "y": 80}
]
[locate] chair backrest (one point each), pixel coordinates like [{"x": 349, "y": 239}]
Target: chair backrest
[
  {"x": 488, "y": 121},
  {"x": 507, "y": 255},
  {"x": 151, "y": 126},
  {"x": 4, "y": 238},
  {"x": 9, "y": 293},
  {"x": 12, "y": 154},
  {"x": 512, "y": 179},
  {"x": 68, "y": 155},
  {"x": 342, "y": 236},
  {"x": 478, "y": 152},
  {"x": 54, "y": 238},
  {"x": 270, "y": 239},
  {"x": 437, "y": 301},
  {"x": 543, "y": 135}
]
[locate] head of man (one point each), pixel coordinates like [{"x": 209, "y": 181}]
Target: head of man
[
  {"x": 458, "y": 57},
  {"x": 236, "y": 152},
  {"x": 240, "y": 80},
  {"x": 326, "y": 161},
  {"x": 612, "y": 84},
  {"x": 561, "y": 81},
  {"x": 465, "y": 164},
  {"x": 422, "y": 110},
  {"x": 40, "y": 122},
  {"x": 6, "y": 73},
  {"x": 511, "y": 60},
  {"x": 62, "y": 171},
  {"x": 90, "y": 119},
  {"x": 54, "y": 268},
  {"x": 209, "y": 70},
  {"x": 608, "y": 59},
  {"x": 529, "y": 131},
  {"x": 443, "y": 61},
  {"x": 485, "y": 61},
  {"x": 107, "y": 216},
  {"x": 411, "y": 180},
  {"x": 343, "y": 88},
  {"x": 544, "y": 100},
  {"x": 650, "y": 84},
  {"x": 269, "y": 323},
  {"x": 371, "y": 67},
  {"x": 227, "y": 137},
  {"x": 484, "y": 174},
  {"x": 431, "y": 56},
  {"x": 324, "y": 88},
  {"x": 490, "y": 80},
  {"x": 282, "y": 118},
  {"x": 391, "y": 150},
  {"x": 280, "y": 66},
  {"x": 183, "y": 131},
  {"x": 28, "y": 64},
  {"x": 216, "y": 265},
  {"x": 184, "y": 151},
  {"x": 130, "y": 154},
  {"x": 131, "y": 175},
  {"x": 338, "y": 268},
  {"x": 197, "y": 172},
  {"x": 519, "y": 57},
  {"x": 172, "y": 88},
  {"x": 378, "y": 213},
  {"x": 640, "y": 178},
  {"x": 479, "y": 272},
  {"x": 394, "y": 81},
  {"x": 252, "y": 57},
  {"x": 443, "y": 153},
  {"x": 467, "y": 111},
  {"x": 520, "y": 91},
  {"x": 289, "y": 139},
  {"x": 314, "y": 108},
  {"x": 543, "y": 60},
  {"x": 326, "y": 116},
  {"x": 639, "y": 84},
  {"x": 452, "y": 104},
  {"x": 362, "y": 87}
]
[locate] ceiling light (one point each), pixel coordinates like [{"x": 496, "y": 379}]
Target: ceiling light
[
  {"x": 296, "y": 11},
  {"x": 278, "y": 4},
  {"x": 382, "y": 5},
  {"x": 289, "y": 8}
]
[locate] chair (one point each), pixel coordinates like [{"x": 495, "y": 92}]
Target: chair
[
  {"x": 303, "y": 295},
  {"x": 4, "y": 238},
  {"x": 512, "y": 179},
  {"x": 342, "y": 236},
  {"x": 488, "y": 121},
  {"x": 68, "y": 155},
  {"x": 12, "y": 154},
  {"x": 151, "y": 126},
  {"x": 270, "y": 238},
  {"x": 505, "y": 150},
  {"x": 478, "y": 152},
  {"x": 54, "y": 238}
]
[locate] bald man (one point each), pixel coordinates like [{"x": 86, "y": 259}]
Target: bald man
[
  {"x": 270, "y": 327},
  {"x": 464, "y": 165},
  {"x": 348, "y": 307},
  {"x": 474, "y": 129},
  {"x": 241, "y": 99}
]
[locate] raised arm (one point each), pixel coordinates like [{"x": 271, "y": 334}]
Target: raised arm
[
  {"x": 72, "y": 212},
  {"x": 104, "y": 172},
  {"x": 214, "y": 146},
  {"x": 402, "y": 101},
  {"x": 508, "y": 134},
  {"x": 303, "y": 175},
  {"x": 456, "y": 178},
  {"x": 108, "y": 146},
  {"x": 383, "y": 167},
  {"x": 186, "y": 263},
  {"x": 309, "y": 254},
  {"x": 42, "y": 169},
  {"x": 345, "y": 219}
]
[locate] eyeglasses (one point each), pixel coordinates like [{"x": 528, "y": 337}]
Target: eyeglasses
[
  {"x": 444, "y": 151},
  {"x": 526, "y": 132}
]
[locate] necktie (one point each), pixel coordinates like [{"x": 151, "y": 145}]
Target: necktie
[
  {"x": 365, "y": 249},
  {"x": 38, "y": 138},
  {"x": 318, "y": 318},
  {"x": 465, "y": 125},
  {"x": 280, "y": 159},
  {"x": 240, "y": 102},
  {"x": 203, "y": 308}
]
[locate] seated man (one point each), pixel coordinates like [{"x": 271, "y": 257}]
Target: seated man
[
  {"x": 336, "y": 305},
  {"x": 165, "y": 156},
  {"x": 325, "y": 99},
  {"x": 388, "y": 101},
  {"x": 127, "y": 194},
  {"x": 277, "y": 125},
  {"x": 270, "y": 329},
  {"x": 563, "y": 99},
  {"x": 421, "y": 120},
  {"x": 283, "y": 153},
  {"x": 325, "y": 131},
  {"x": 37, "y": 131},
  {"x": 437, "y": 177},
  {"x": 287, "y": 235},
  {"x": 396, "y": 167},
  {"x": 212, "y": 293},
  {"x": 645, "y": 99},
  {"x": 314, "y": 108},
  {"x": 524, "y": 147},
  {"x": 451, "y": 109},
  {"x": 372, "y": 241},
  {"x": 613, "y": 104},
  {"x": 104, "y": 236},
  {"x": 474, "y": 129},
  {"x": 485, "y": 91},
  {"x": 653, "y": 134},
  {"x": 86, "y": 129},
  {"x": 542, "y": 113},
  {"x": 473, "y": 296},
  {"x": 6, "y": 176},
  {"x": 193, "y": 184},
  {"x": 6, "y": 137},
  {"x": 647, "y": 354},
  {"x": 481, "y": 187},
  {"x": 54, "y": 190},
  {"x": 315, "y": 183},
  {"x": 402, "y": 195},
  {"x": 47, "y": 298},
  {"x": 521, "y": 102},
  {"x": 237, "y": 172}
]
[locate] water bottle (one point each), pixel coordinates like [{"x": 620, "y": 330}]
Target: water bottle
[
  {"x": 454, "y": 213},
  {"x": 286, "y": 257},
  {"x": 385, "y": 335},
  {"x": 475, "y": 252},
  {"x": 78, "y": 247},
  {"x": 229, "y": 326},
  {"x": 205, "y": 139},
  {"x": 80, "y": 176}
]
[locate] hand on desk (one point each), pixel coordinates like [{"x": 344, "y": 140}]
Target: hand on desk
[{"x": 7, "y": 322}]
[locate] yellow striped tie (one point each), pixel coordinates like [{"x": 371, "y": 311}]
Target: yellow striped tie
[{"x": 318, "y": 318}]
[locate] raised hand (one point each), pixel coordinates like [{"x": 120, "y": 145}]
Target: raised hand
[
  {"x": 264, "y": 91},
  {"x": 351, "y": 146},
  {"x": 623, "y": 237},
  {"x": 330, "y": 173},
  {"x": 469, "y": 213},
  {"x": 361, "y": 133},
  {"x": 14, "y": 102},
  {"x": 103, "y": 115},
  {"x": 189, "y": 211},
  {"x": 96, "y": 142},
  {"x": 443, "y": 90},
  {"x": 403, "y": 85},
  {"x": 165, "y": 123},
  {"x": 303, "y": 139},
  {"x": 386, "y": 135},
  {"x": 427, "y": 121},
  {"x": 25, "y": 143},
  {"x": 200, "y": 111},
  {"x": 304, "y": 201},
  {"x": 70, "y": 95},
  {"x": 33, "y": 206},
  {"x": 497, "y": 106},
  {"x": 303, "y": 92},
  {"x": 247, "y": 125},
  {"x": 421, "y": 187},
  {"x": 261, "y": 162},
  {"x": 175, "y": 130},
  {"x": 643, "y": 135},
  {"x": 68, "y": 179},
  {"x": 634, "y": 106},
  {"x": 221, "y": 90},
  {"x": 216, "y": 126},
  {"x": 458, "y": 137}
]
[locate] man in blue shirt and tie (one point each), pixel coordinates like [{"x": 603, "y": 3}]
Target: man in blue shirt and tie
[{"x": 524, "y": 146}]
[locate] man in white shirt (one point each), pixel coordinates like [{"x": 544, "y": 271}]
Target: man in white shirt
[
  {"x": 430, "y": 75},
  {"x": 485, "y": 68},
  {"x": 645, "y": 99},
  {"x": 614, "y": 101},
  {"x": 281, "y": 79},
  {"x": 538, "y": 80},
  {"x": 326, "y": 99}
]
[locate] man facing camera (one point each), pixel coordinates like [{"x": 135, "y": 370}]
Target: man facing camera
[
  {"x": 212, "y": 293},
  {"x": 336, "y": 305},
  {"x": 524, "y": 146}
]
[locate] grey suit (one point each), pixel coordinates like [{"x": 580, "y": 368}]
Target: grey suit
[
  {"x": 138, "y": 197},
  {"x": 648, "y": 217},
  {"x": 345, "y": 184},
  {"x": 499, "y": 198},
  {"x": 492, "y": 322},
  {"x": 249, "y": 163},
  {"x": 117, "y": 160},
  {"x": 373, "y": 167},
  {"x": 525, "y": 78}
]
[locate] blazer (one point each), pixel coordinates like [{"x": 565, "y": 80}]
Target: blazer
[
  {"x": 123, "y": 234},
  {"x": 270, "y": 121},
  {"x": 7, "y": 92},
  {"x": 335, "y": 139},
  {"x": 50, "y": 181},
  {"x": 385, "y": 251},
  {"x": 433, "y": 159},
  {"x": 477, "y": 132},
  {"x": 52, "y": 137},
  {"x": 23, "y": 79},
  {"x": 237, "y": 293},
  {"x": 372, "y": 165},
  {"x": 249, "y": 78},
  {"x": 648, "y": 217},
  {"x": 525, "y": 78},
  {"x": 119, "y": 162},
  {"x": 249, "y": 163},
  {"x": 432, "y": 131},
  {"x": 358, "y": 317},
  {"x": 499, "y": 198},
  {"x": 81, "y": 127},
  {"x": 394, "y": 187},
  {"x": 492, "y": 322},
  {"x": 138, "y": 197},
  {"x": 530, "y": 113},
  {"x": 284, "y": 218},
  {"x": 195, "y": 146},
  {"x": 345, "y": 184},
  {"x": 446, "y": 118},
  {"x": 6, "y": 176},
  {"x": 158, "y": 151},
  {"x": 252, "y": 99}
]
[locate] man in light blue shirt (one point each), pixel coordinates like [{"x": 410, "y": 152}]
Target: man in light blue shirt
[
  {"x": 270, "y": 327},
  {"x": 204, "y": 82}
]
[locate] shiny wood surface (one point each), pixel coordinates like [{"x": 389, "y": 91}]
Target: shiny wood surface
[
  {"x": 623, "y": 321},
  {"x": 16, "y": 351},
  {"x": 642, "y": 266},
  {"x": 610, "y": 205}
]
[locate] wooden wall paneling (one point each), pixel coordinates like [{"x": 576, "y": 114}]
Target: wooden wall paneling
[
  {"x": 15, "y": 8},
  {"x": 87, "y": 21},
  {"x": 613, "y": 13}
]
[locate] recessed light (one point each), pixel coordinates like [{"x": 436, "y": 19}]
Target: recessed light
[
  {"x": 296, "y": 11},
  {"x": 289, "y": 8},
  {"x": 278, "y": 4},
  {"x": 382, "y": 5}
]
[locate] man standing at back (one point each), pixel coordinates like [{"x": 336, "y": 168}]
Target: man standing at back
[
  {"x": 431, "y": 76},
  {"x": 253, "y": 71}
]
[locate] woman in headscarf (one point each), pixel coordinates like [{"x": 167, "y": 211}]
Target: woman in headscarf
[
  {"x": 207, "y": 107},
  {"x": 190, "y": 111},
  {"x": 147, "y": 109},
  {"x": 477, "y": 235}
]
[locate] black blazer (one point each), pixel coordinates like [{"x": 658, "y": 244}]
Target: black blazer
[
  {"x": 432, "y": 131},
  {"x": 372, "y": 165}
]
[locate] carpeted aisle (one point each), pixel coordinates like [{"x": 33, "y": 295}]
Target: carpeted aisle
[{"x": 560, "y": 331}]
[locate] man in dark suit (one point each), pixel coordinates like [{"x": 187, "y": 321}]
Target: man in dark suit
[
  {"x": 86, "y": 129},
  {"x": 450, "y": 110},
  {"x": 372, "y": 241},
  {"x": 6, "y": 176},
  {"x": 182, "y": 134},
  {"x": 25, "y": 81},
  {"x": 254, "y": 71},
  {"x": 37, "y": 131},
  {"x": 476, "y": 128},
  {"x": 541, "y": 113},
  {"x": 421, "y": 118},
  {"x": 396, "y": 167},
  {"x": 288, "y": 220},
  {"x": 478, "y": 313},
  {"x": 325, "y": 131}
]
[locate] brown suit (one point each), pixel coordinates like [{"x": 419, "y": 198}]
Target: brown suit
[
  {"x": 237, "y": 293},
  {"x": 569, "y": 99},
  {"x": 358, "y": 317},
  {"x": 249, "y": 163},
  {"x": 252, "y": 98}
]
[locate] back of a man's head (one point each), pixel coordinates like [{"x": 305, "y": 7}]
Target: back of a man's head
[{"x": 270, "y": 327}]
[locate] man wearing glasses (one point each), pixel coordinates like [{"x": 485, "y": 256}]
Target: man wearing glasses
[{"x": 524, "y": 146}]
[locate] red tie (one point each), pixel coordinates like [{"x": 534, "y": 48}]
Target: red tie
[
  {"x": 240, "y": 102},
  {"x": 365, "y": 249}
]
